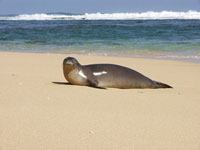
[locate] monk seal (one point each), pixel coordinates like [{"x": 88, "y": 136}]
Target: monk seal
[{"x": 106, "y": 76}]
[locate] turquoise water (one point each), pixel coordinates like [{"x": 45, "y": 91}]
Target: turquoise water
[{"x": 173, "y": 38}]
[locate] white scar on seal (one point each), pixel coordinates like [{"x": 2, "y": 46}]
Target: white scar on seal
[
  {"x": 82, "y": 74},
  {"x": 99, "y": 73}
]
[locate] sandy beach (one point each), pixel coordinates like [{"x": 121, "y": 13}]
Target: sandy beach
[{"x": 37, "y": 114}]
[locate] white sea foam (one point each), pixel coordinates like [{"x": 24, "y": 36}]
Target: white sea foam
[{"x": 150, "y": 15}]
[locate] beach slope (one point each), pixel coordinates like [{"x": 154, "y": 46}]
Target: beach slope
[{"x": 38, "y": 110}]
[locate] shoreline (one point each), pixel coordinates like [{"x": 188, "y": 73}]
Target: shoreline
[{"x": 164, "y": 58}]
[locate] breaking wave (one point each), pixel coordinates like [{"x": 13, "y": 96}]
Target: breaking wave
[{"x": 150, "y": 15}]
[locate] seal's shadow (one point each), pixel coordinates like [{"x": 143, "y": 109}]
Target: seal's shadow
[
  {"x": 67, "y": 83},
  {"x": 62, "y": 83}
]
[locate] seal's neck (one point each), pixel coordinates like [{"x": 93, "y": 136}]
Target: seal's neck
[{"x": 68, "y": 68}]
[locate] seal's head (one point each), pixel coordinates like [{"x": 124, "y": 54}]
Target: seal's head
[{"x": 70, "y": 63}]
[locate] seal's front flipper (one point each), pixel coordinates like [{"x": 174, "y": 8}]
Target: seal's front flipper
[
  {"x": 94, "y": 83},
  {"x": 91, "y": 79}
]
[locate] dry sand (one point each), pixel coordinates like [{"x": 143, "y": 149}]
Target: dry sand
[{"x": 36, "y": 114}]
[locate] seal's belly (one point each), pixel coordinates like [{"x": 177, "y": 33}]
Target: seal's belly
[
  {"x": 123, "y": 80},
  {"x": 114, "y": 81}
]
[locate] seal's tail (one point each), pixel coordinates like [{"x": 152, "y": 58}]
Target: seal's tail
[{"x": 161, "y": 85}]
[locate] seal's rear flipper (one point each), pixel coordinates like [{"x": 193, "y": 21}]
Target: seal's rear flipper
[{"x": 161, "y": 85}]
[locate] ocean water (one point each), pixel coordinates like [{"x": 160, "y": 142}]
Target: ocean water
[{"x": 165, "y": 35}]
